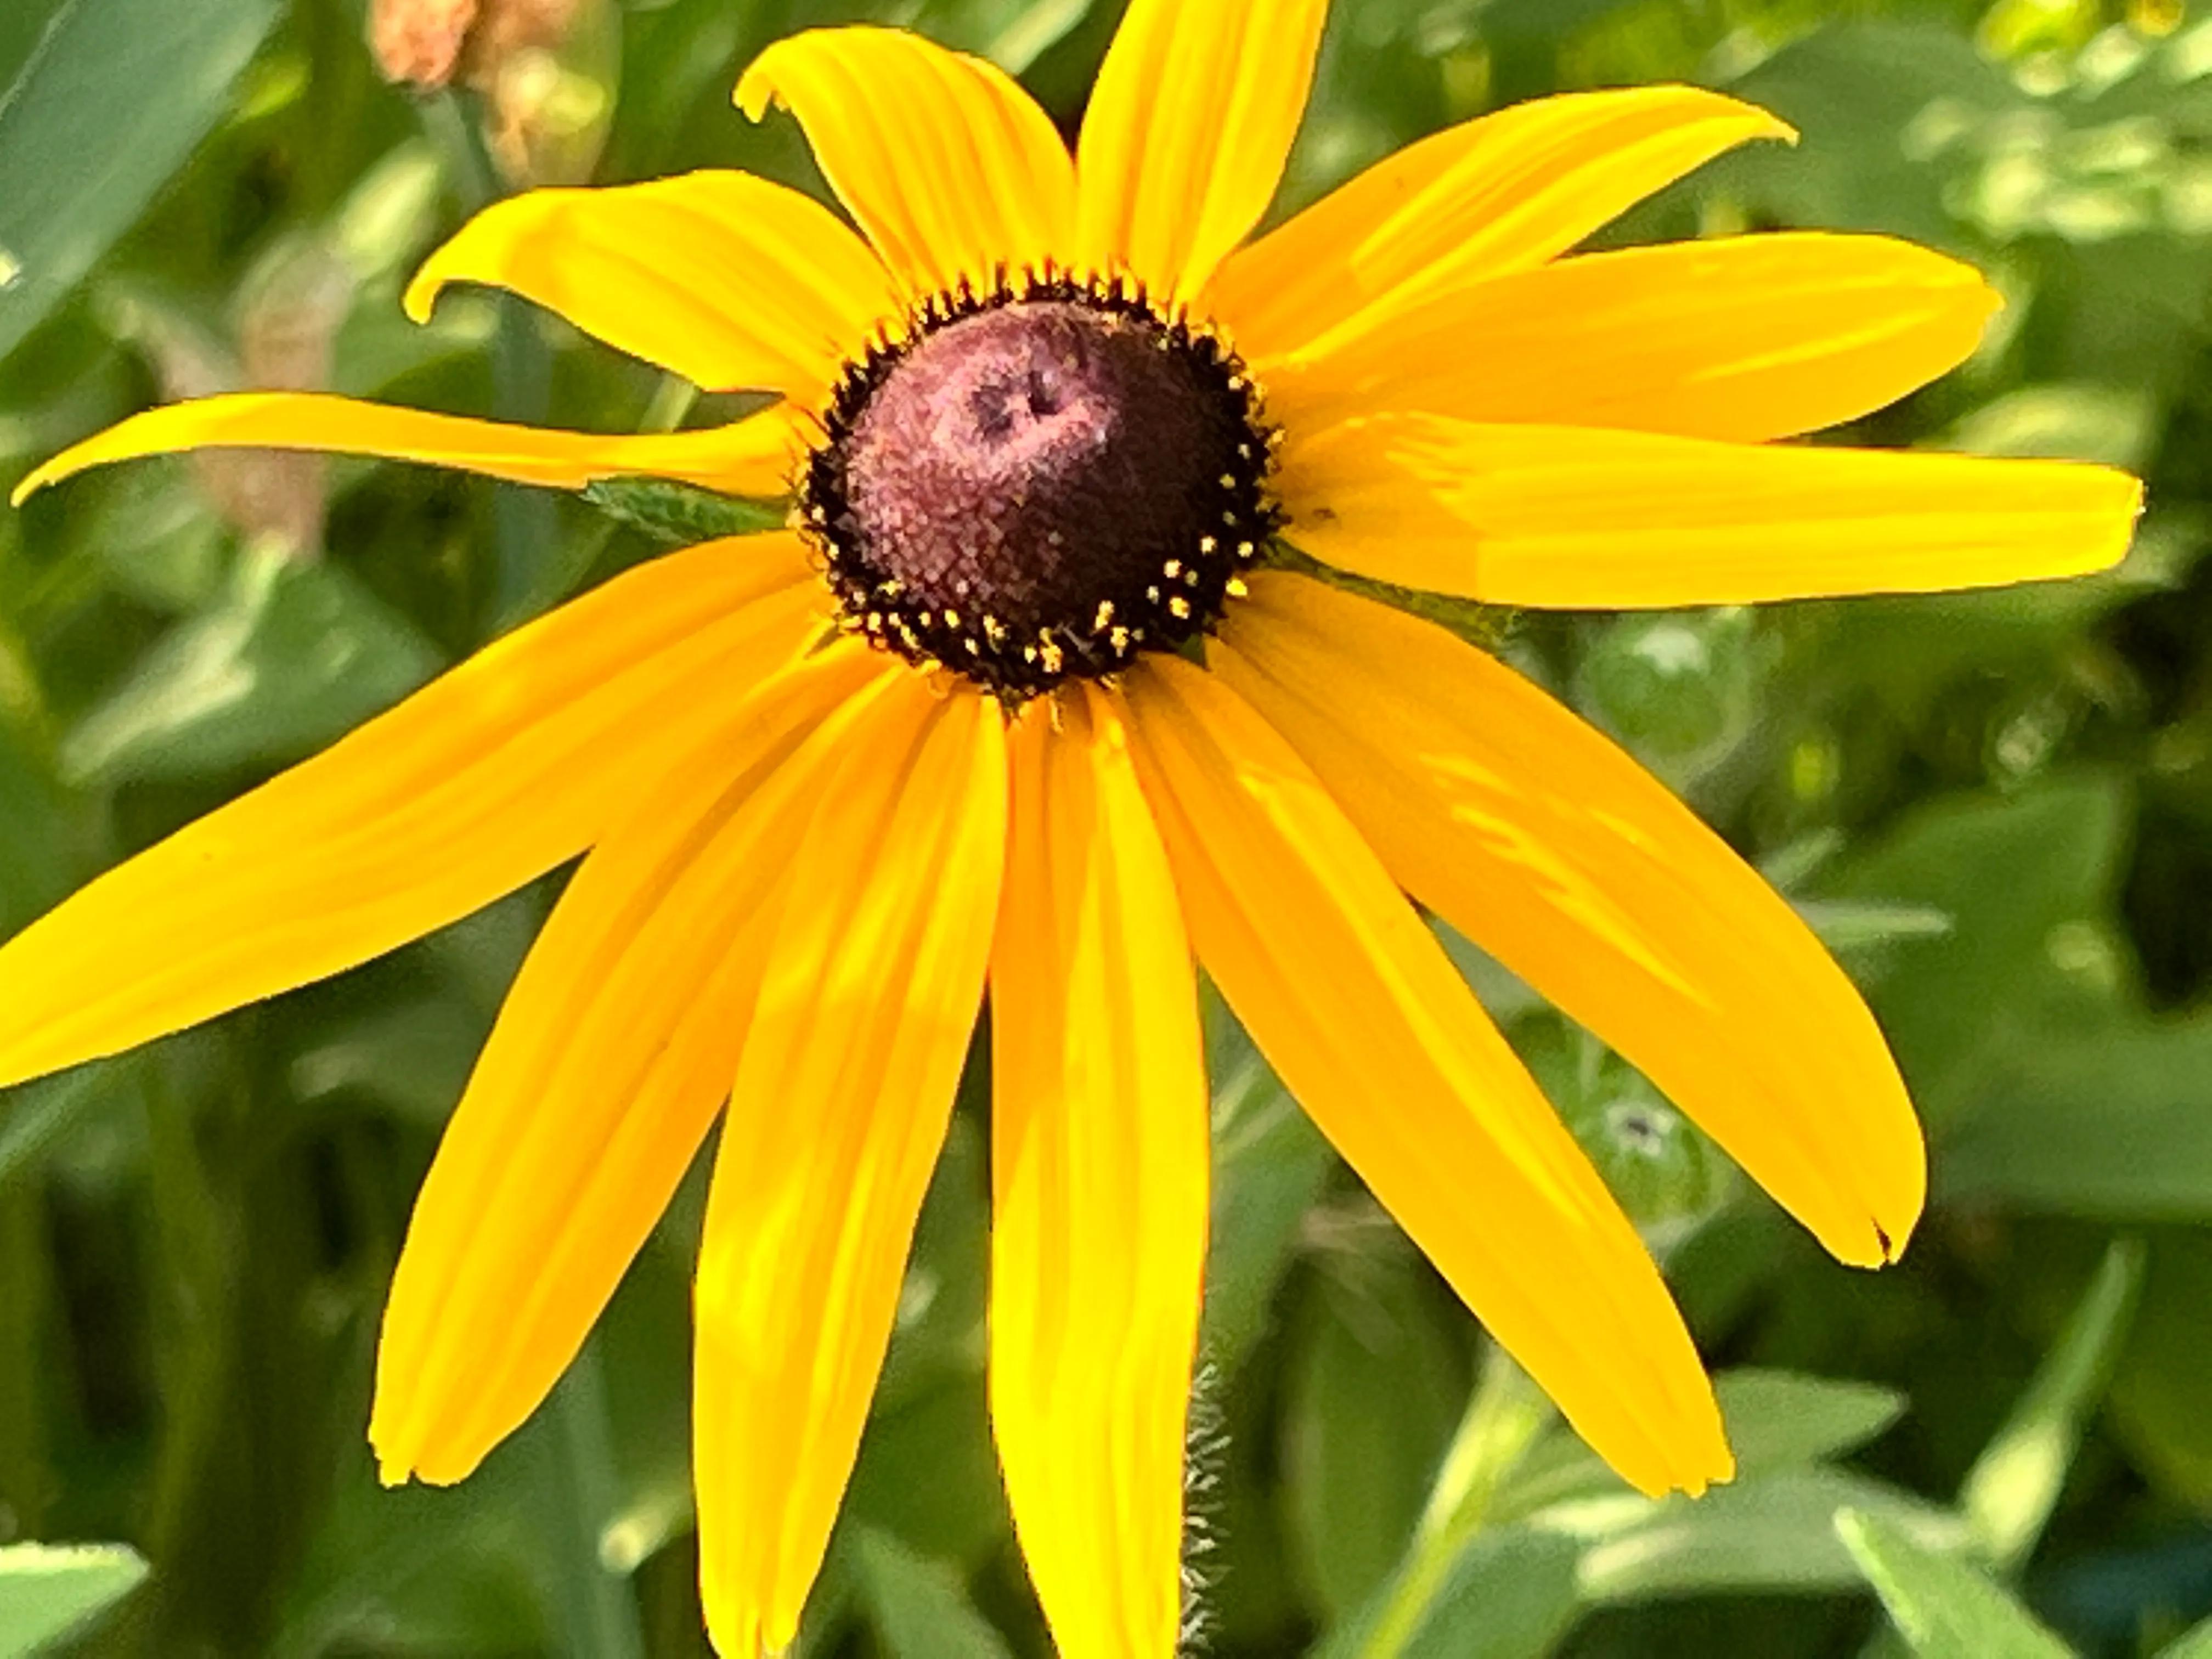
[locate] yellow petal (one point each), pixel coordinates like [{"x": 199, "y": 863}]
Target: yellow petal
[
  {"x": 1356, "y": 1006},
  {"x": 1747, "y": 337},
  {"x": 610, "y": 1057},
  {"x": 1570, "y": 517},
  {"x": 1099, "y": 1175},
  {"x": 755, "y": 457},
  {"x": 1549, "y": 847},
  {"x": 1188, "y": 128},
  {"x": 1503, "y": 193},
  {"x": 728, "y": 280},
  {"x": 872, "y": 979},
  {"x": 510, "y": 764},
  {"x": 950, "y": 167}
]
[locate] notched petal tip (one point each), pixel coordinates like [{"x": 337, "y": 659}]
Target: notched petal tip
[
  {"x": 1891, "y": 1193},
  {"x": 35, "y": 480},
  {"x": 2132, "y": 499},
  {"x": 1697, "y": 1460},
  {"x": 1892, "y": 1206},
  {"x": 1702, "y": 1458},
  {"x": 2109, "y": 504},
  {"x": 424, "y": 288},
  {"x": 756, "y": 93},
  {"x": 1720, "y": 1475},
  {"x": 438, "y": 271},
  {"x": 1758, "y": 121}
]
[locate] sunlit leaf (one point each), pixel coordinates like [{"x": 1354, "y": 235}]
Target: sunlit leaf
[
  {"x": 110, "y": 103},
  {"x": 1510, "y": 1594},
  {"x": 1945, "y": 1608},
  {"x": 47, "y": 1591},
  {"x": 2108, "y": 1123},
  {"x": 677, "y": 515},
  {"x": 1269, "y": 1163},
  {"x": 2024, "y": 879},
  {"x": 292, "y": 655},
  {"x": 1777, "y": 1421},
  {"x": 1775, "y": 1534},
  {"x": 1372, "y": 1401},
  {"x": 2015, "y": 1483},
  {"x": 2196, "y": 1643}
]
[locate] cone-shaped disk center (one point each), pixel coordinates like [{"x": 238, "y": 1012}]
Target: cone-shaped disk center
[{"x": 1042, "y": 487}]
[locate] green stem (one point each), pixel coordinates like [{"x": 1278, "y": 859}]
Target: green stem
[
  {"x": 1505, "y": 1414},
  {"x": 599, "y": 1608}
]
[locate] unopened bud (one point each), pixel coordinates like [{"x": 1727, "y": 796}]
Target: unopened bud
[
  {"x": 545, "y": 70},
  {"x": 420, "y": 42}
]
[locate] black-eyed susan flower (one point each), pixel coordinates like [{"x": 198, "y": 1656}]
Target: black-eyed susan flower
[{"x": 1025, "y": 701}]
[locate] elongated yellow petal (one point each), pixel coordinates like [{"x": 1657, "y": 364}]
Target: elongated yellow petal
[
  {"x": 754, "y": 457},
  {"x": 1502, "y": 193},
  {"x": 513, "y": 763},
  {"x": 732, "y": 281},
  {"x": 950, "y": 167},
  {"x": 1548, "y": 846},
  {"x": 1570, "y": 517},
  {"x": 1188, "y": 128},
  {"x": 1099, "y": 1176},
  {"x": 872, "y": 977},
  {"x": 611, "y": 1055},
  {"x": 1746, "y": 337},
  {"x": 1356, "y": 1006}
]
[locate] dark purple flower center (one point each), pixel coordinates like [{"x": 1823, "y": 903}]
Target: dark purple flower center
[{"x": 1034, "y": 488}]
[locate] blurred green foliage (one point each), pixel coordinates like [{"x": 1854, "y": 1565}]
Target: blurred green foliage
[{"x": 1996, "y": 808}]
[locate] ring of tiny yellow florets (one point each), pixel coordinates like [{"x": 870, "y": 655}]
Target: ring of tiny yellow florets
[{"x": 1183, "y": 601}]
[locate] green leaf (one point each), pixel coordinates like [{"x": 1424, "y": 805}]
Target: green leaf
[
  {"x": 680, "y": 515},
  {"x": 1453, "y": 1558},
  {"x": 292, "y": 654},
  {"x": 46, "y": 1591},
  {"x": 36, "y": 833},
  {"x": 1035, "y": 31},
  {"x": 34, "y": 1117},
  {"x": 2156, "y": 1405},
  {"x": 412, "y": 1058},
  {"x": 1486, "y": 625},
  {"x": 1846, "y": 928},
  {"x": 21, "y": 25},
  {"x": 2075, "y": 420},
  {"x": 578, "y": 1494},
  {"x": 1777, "y": 1421},
  {"x": 1269, "y": 1166},
  {"x": 2026, "y": 880},
  {"x": 927, "y": 1476},
  {"x": 919, "y": 1606},
  {"x": 1852, "y": 91},
  {"x": 112, "y": 101},
  {"x": 940, "y": 1335},
  {"x": 1511, "y": 1595},
  {"x": 1772, "y": 1534},
  {"x": 2196, "y": 1642},
  {"x": 426, "y": 1570},
  {"x": 1783, "y": 1421},
  {"x": 2108, "y": 1124},
  {"x": 1944, "y": 1608},
  {"x": 2009, "y": 1492},
  {"x": 1375, "y": 1390}
]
